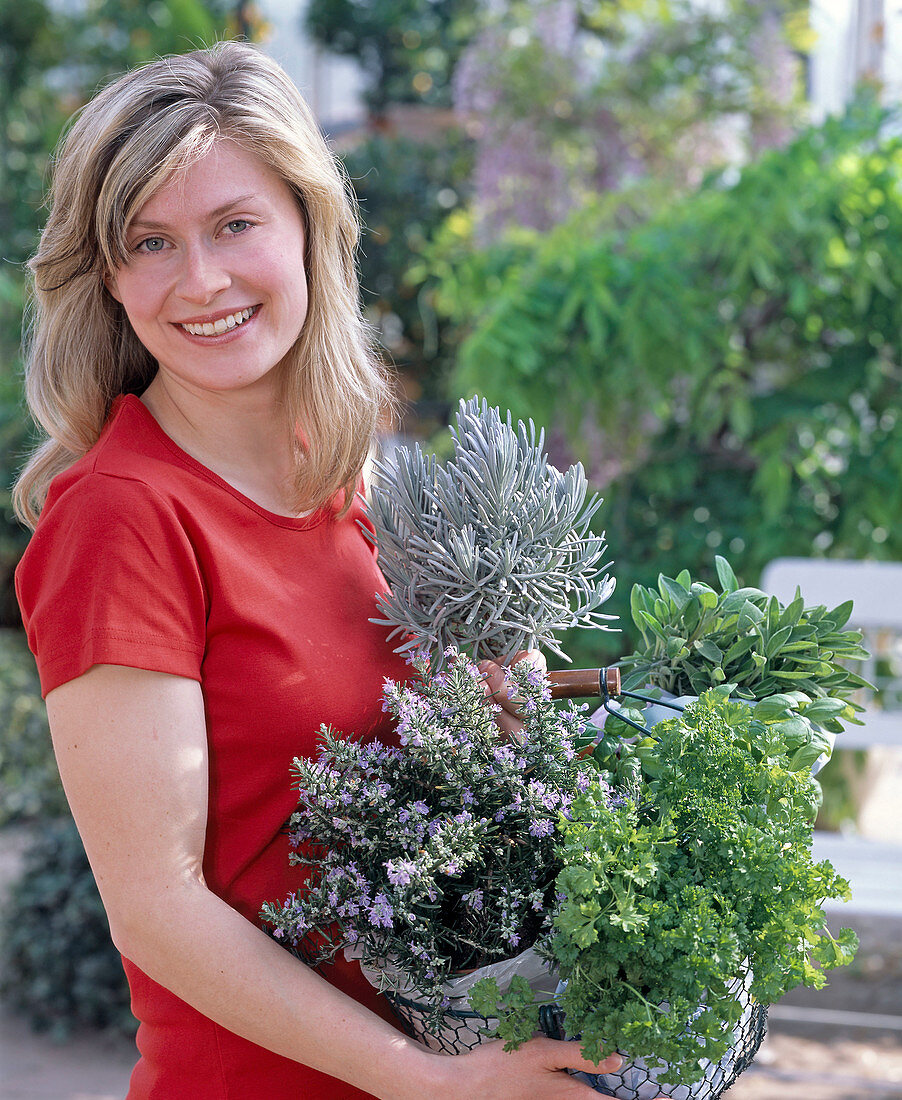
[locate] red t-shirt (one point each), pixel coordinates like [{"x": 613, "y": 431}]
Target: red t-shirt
[{"x": 144, "y": 557}]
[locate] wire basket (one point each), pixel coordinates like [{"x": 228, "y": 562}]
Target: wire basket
[
  {"x": 460, "y": 1029},
  {"x": 636, "y": 1081}
]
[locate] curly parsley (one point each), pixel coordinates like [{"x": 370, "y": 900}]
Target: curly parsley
[{"x": 686, "y": 863}]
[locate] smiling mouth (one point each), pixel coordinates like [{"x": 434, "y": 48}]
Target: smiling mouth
[{"x": 224, "y": 324}]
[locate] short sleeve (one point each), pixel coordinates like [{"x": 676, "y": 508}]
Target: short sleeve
[{"x": 111, "y": 577}]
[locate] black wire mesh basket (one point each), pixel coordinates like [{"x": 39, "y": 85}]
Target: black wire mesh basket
[
  {"x": 459, "y": 1031},
  {"x": 636, "y": 1081}
]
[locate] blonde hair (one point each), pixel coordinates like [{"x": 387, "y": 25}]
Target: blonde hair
[{"x": 81, "y": 352}]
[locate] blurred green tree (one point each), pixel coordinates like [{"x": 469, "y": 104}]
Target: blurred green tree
[
  {"x": 406, "y": 189},
  {"x": 407, "y": 49},
  {"x": 728, "y": 367}
]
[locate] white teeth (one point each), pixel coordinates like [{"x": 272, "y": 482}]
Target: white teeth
[{"x": 217, "y": 328}]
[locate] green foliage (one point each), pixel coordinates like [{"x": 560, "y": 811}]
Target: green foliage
[
  {"x": 32, "y": 40},
  {"x": 674, "y": 67},
  {"x": 60, "y": 968},
  {"x": 651, "y": 84},
  {"x": 407, "y": 49},
  {"x": 695, "y": 866},
  {"x": 29, "y": 782},
  {"x": 406, "y": 190},
  {"x": 513, "y": 1005},
  {"x": 730, "y": 365},
  {"x": 571, "y": 99},
  {"x": 40, "y": 85},
  {"x": 15, "y": 432},
  {"x": 695, "y": 637},
  {"x": 119, "y": 34}
]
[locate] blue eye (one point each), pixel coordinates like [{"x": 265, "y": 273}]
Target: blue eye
[
  {"x": 237, "y": 226},
  {"x": 153, "y": 244}
]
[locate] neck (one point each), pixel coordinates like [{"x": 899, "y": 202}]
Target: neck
[{"x": 242, "y": 438}]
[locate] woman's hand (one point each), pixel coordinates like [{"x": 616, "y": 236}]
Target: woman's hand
[
  {"x": 536, "y": 1071},
  {"x": 496, "y": 688}
]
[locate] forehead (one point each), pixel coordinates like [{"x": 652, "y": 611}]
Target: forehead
[{"x": 222, "y": 176}]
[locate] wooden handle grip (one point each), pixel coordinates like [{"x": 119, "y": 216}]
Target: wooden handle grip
[{"x": 584, "y": 683}]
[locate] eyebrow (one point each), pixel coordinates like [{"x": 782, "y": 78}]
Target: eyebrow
[{"x": 240, "y": 200}]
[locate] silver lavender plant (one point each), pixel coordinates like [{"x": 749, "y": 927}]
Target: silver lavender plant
[{"x": 489, "y": 551}]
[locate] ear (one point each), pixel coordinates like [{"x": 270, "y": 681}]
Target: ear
[{"x": 112, "y": 284}]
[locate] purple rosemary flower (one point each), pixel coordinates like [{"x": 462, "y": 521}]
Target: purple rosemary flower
[
  {"x": 380, "y": 912},
  {"x": 474, "y": 900},
  {"x": 400, "y": 871}
]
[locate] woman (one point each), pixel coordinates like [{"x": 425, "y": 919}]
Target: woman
[{"x": 197, "y": 590}]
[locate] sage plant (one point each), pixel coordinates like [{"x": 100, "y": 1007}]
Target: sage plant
[{"x": 490, "y": 551}]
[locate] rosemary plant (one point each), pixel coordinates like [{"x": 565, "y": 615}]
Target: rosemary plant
[
  {"x": 490, "y": 551},
  {"x": 438, "y": 853}
]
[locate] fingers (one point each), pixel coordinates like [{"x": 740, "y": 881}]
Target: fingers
[
  {"x": 558, "y": 1055},
  {"x": 497, "y": 691},
  {"x": 535, "y": 1071},
  {"x": 531, "y": 656},
  {"x": 495, "y": 680}
]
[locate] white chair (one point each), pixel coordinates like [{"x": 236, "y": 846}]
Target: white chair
[
  {"x": 875, "y": 587},
  {"x": 872, "y": 862}
]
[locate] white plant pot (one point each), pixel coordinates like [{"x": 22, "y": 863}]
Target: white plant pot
[
  {"x": 461, "y": 1028},
  {"x": 655, "y": 713}
]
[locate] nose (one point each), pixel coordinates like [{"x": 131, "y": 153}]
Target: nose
[{"x": 202, "y": 276}]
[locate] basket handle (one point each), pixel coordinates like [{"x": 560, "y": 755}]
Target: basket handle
[{"x": 584, "y": 683}]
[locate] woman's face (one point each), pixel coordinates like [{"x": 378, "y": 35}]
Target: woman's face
[{"x": 214, "y": 285}]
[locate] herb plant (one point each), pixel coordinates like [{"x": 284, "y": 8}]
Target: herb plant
[
  {"x": 686, "y": 864},
  {"x": 491, "y": 550},
  {"x": 695, "y": 638},
  {"x": 440, "y": 853}
]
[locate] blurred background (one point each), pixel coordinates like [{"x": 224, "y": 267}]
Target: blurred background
[{"x": 668, "y": 231}]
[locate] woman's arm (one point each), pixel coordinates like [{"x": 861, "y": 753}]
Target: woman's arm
[{"x": 132, "y": 752}]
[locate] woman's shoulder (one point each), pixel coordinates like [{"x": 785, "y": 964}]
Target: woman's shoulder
[{"x": 128, "y": 463}]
